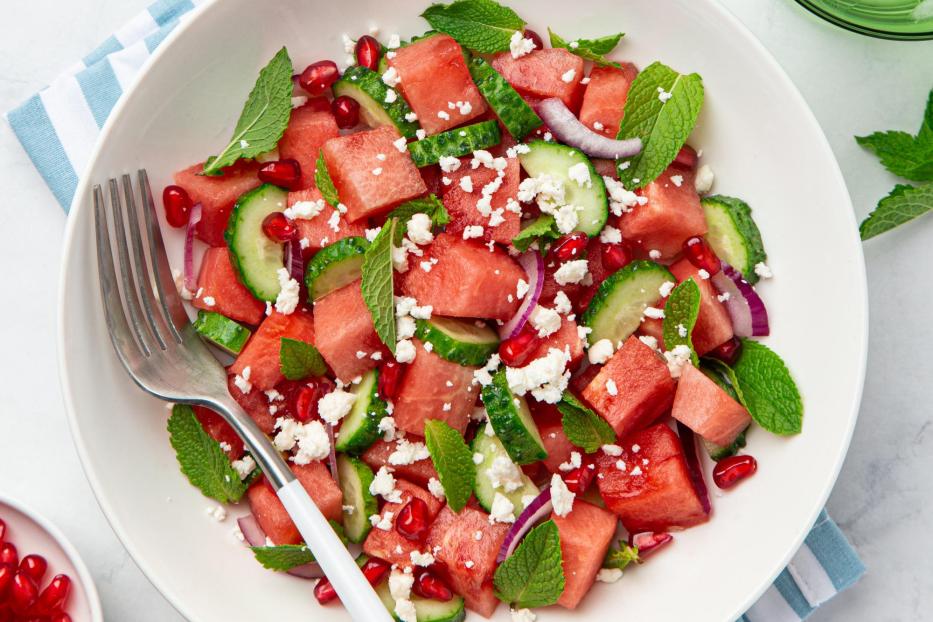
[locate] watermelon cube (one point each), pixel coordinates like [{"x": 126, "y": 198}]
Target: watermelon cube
[
  {"x": 270, "y": 513},
  {"x": 389, "y": 544},
  {"x": 371, "y": 175},
  {"x": 567, "y": 337},
  {"x": 419, "y": 472},
  {"x": 551, "y": 72},
  {"x": 437, "y": 84},
  {"x": 714, "y": 324},
  {"x": 649, "y": 486},
  {"x": 702, "y": 405},
  {"x": 585, "y": 535},
  {"x": 219, "y": 281},
  {"x": 217, "y": 195},
  {"x": 345, "y": 327},
  {"x": 317, "y": 230},
  {"x": 556, "y": 443},
  {"x": 434, "y": 388},
  {"x": 671, "y": 216},
  {"x": 643, "y": 391},
  {"x": 220, "y": 431},
  {"x": 462, "y": 205},
  {"x": 604, "y": 98},
  {"x": 261, "y": 353},
  {"x": 308, "y": 129},
  {"x": 468, "y": 280},
  {"x": 455, "y": 535},
  {"x": 255, "y": 403}
]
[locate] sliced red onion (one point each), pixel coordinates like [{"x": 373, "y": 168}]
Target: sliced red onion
[
  {"x": 533, "y": 265},
  {"x": 307, "y": 571},
  {"x": 649, "y": 542},
  {"x": 536, "y": 511},
  {"x": 255, "y": 536},
  {"x": 191, "y": 279},
  {"x": 745, "y": 306},
  {"x": 689, "y": 443},
  {"x": 569, "y": 130},
  {"x": 294, "y": 261},
  {"x": 332, "y": 456}
]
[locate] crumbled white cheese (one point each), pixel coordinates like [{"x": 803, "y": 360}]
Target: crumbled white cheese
[
  {"x": 391, "y": 96},
  {"x": 620, "y": 199},
  {"x": 654, "y": 313},
  {"x": 289, "y": 295},
  {"x": 304, "y": 209},
  {"x": 244, "y": 466},
  {"x": 383, "y": 522},
  {"x": 407, "y": 452},
  {"x": 436, "y": 488},
  {"x": 421, "y": 559},
  {"x": 545, "y": 378},
  {"x": 663, "y": 95},
  {"x": 612, "y": 450},
  {"x": 335, "y": 405},
  {"x": 677, "y": 358},
  {"x": 401, "y": 145},
  {"x": 763, "y": 271},
  {"x": 478, "y": 458},
  {"x": 576, "y": 460},
  {"x": 466, "y": 183},
  {"x": 648, "y": 340},
  {"x": 242, "y": 382},
  {"x": 608, "y": 575},
  {"x": 704, "y": 179},
  {"x": 523, "y": 615},
  {"x": 472, "y": 231},
  {"x": 600, "y": 352},
  {"x": 483, "y": 376},
  {"x": 405, "y": 351},
  {"x": 580, "y": 173},
  {"x": 546, "y": 321},
  {"x": 209, "y": 301},
  {"x": 519, "y": 45},
  {"x": 394, "y": 42},
  {"x": 611, "y": 387},
  {"x": 561, "y": 497},
  {"x": 502, "y": 510},
  {"x": 571, "y": 272},
  {"x": 443, "y": 114},
  {"x": 521, "y": 288},
  {"x": 383, "y": 485},
  {"x": 610, "y": 235},
  {"x": 387, "y": 428},
  {"x": 419, "y": 229},
  {"x": 566, "y": 217},
  {"x": 666, "y": 288},
  {"x": 568, "y": 75},
  {"x": 400, "y": 584},
  {"x": 391, "y": 78},
  {"x": 217, "y": 512},
  {"x": 504, "y": 474}
]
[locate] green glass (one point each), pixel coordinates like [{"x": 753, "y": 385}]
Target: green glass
[{"x": 886, "y": 19}]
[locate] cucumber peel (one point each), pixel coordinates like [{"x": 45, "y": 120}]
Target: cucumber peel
[
  {"x": 616, "y": 311},
  {"x": 733, "y": 234},
  {"x": 457, "y": 142},
  {"x": 221, "y": 331},
  {"x": 459, "y": 341},
  {"x": 512, "y": 421},
  {"x": 335, "y": 266},
  {"x": 256, "y": 259},
  {"x": 367, "y": 88}
]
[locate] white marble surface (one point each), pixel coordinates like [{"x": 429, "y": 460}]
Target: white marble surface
[{"x": 854, "y": 85}]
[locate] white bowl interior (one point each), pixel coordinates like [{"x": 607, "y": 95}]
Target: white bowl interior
[{"x": 755, "y": 131}]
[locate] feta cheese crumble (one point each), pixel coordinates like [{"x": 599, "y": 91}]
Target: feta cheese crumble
[
  {"x": 502, "y": 510},
  {"x": 335, "y": 405},
  {"x": 287, "y": 300},
  {"x": 600, "y": 352},
  {"x": 763, "y": 271},
  {"x": 571, "y": 272},
  {"x": 519, "y": 45},
  {"x": 561, "y": 497},
  {"x": 546, "y": 321}
]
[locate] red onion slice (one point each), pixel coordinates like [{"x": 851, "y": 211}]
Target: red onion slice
[
  {"x": 536, "y": 511},
  {"x": 191, "y": 279},
  {"x": 307, "y": 571},
  {"x": 569, "y": 130},
  {"x": 332, "y": 456},
  {"x": 533, "y": 265},
  {"x": 689, "y": 443},
  {"x": 745, "y": 306},
  {"x": 255, "y": 536},
  {"x": 294, "y": 261}
]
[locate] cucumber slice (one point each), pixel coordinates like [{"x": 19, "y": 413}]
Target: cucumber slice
[
  {"x": 426, "y": 610},
  {"x": 514, "y": 112},
  {"x": 460, "y": 341},
  {"x": 511, "y": 419},
  {"x": 733, "y": 234},
  {"x": 490, "y": 447},
  {"x": 554, "y": 159},
  {"x": 334, "y": 266},
  {"x": 256, "y": 258},
  {"x": 616, "y": 311},
  {"x": 367, "y": 88},
  {"x": 360, "y": 428},
  {"x": 457, "y": 142},
  {"x": 221, "y": 331},
  {"x": 355, "y": 478}
]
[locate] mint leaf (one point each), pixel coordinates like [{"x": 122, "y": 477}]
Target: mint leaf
[
  {"x": 588, "y": 49},
  {"x": 298, "y": 360},
  {"x": 203, "y": 462},
  {"x": 543, "y": 228},
  {"x": 767, "y": 389},
  {"x": 583, "y": 427},
  {"x": 264, "y": 118},
  {"x": 663, "y": 127},
  {"x": 903, "y": 204},
  {"x": 910, "y": 157},
  {"x": 621, "y": 556},
  {"x": 378, "y": 287},
  {"x": 680, "y": 316},
  {"x": 283, "y": 557},
  {"x": 481, "y": 25},
  {"x": 453, "y": 461},
  {"x": 533, "y": 576},
  {"x": 429, "y": 205},
  {"x": 324, "y": 183}
]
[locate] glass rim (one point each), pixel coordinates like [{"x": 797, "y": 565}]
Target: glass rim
[{"x": 864, "y": 30}]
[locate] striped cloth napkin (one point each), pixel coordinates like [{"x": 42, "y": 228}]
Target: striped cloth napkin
[{"x": 59, "y": 125}]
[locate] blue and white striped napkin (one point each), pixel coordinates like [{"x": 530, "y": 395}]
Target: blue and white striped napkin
[{"x": 59, "y": 126}]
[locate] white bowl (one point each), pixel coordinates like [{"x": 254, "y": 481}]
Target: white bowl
[{"x": 755, "y": 131}]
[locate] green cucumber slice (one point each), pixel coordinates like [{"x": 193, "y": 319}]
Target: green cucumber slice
[
  {"x": 334, "y": 266},
  {"x": 511, "y": 419},
  {"x": 616, "y": 311},
  {"x": 426, "y": 610},
  {"x": 355, "y": 478},
  {"x": 733, "y": 234},
  {"x": 490, "y": 447},
  {"x": 221, "y": 331},
  {"x": 256, "y": 258},
  {"x": 360, "y": 428},
  {"x": 514, "y": 112},
  {"x": 367, "y": 88},
  {"x": 457, "y": 142},
  {"x": 460, "y": 341},
  {"x": 554, "y": 159}
]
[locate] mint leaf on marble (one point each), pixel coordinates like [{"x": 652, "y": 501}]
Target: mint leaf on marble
[
  {"x": 905, "y": 155},
  {"x": 903, "y": 205}
]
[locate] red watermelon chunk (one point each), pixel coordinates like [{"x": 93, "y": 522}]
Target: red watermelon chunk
[
  {"x": 455, "y": 535},
  {"x": 220, "y": 431},
  {"x": 556, "y": 443},
  {"x": 644, "y": 388},
  {"x": 218, "y": 280},
  {"x": 389, "y": 544},
  {"x": 345, "y": 327},
  {"x": 462, "y": 205},
  {"x": 317, "y": 230},
  {"x": 467, "y": 281},
  {"x": 255, "y": 403},
  {"x": 671, "y": 216},
  {"x": 308, "y": 129},
  {"x": 541, "y": 73},
  {"x": 702, "y": 405},
  {"x": 425, "y": 393},
  {"x": 351, "y": 161},
  {"x": 217, "y": 194},
  {"x": 271, "y": 514},
  {"x": 654, "y": 492},
  {"x": 565, "y": 337},
  {"x": 432, "y": 178},
  {"x": 261, "y": 353},
  {"x": 604, "y": 98},
  {"x": 419, "y": 472},
  {"x": 714, "y": 324},
  {"x": 585, "y": 535}
]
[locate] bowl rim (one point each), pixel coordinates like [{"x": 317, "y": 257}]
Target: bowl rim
[
  {"x": 200, "y": 11},
  {"x": 877, "y": 33}
]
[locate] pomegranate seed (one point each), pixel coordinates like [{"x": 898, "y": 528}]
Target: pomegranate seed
[
  {"x": 9, "y": 554},
  {"x": 177, "y": 205},
  {"x": 535, "y": 38},
  {"x": 727, "y": 352},
  {"x": 374, "y": 570},
  {"x": 284, "y": 173},
  {"x": 23, "y": 592},
  {"x": 55, "y": 594},
  {"x": 60, "y": 617},
  {"x": 279, "y": 228},
  {"x": 429, "y": 585},
  {"x": 701, "y": 255},
  {"x": 730, "y": 471},
  {"x": 616, "y": 256},
  {"x": 346, "y": 112},
  {"x": 579, "y": 479},
  {"x": 324, "y": 592},
  {"x": 686, "y": 158},
  {"x": 570, "y": 246},
  {"x": 318, "y": 77},
  {"x": 368, "y": 51},
  {"x": 6, "y": 579},
  {"x": 35, "y": 566},
  {"x": 308, "y": 397},
  {"x": 2, "y": 529},
  {"x": 583, "y": 300},
  {"x": 514, "y": 351},
  {"x": 391, "y": 374},
  {"x": 413, "y": 520}
]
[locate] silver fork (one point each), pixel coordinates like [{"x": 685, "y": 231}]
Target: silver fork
[{"x": 162, "y": 353}]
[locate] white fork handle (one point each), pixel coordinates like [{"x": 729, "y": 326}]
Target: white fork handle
[{"x": 354, "y": 590}]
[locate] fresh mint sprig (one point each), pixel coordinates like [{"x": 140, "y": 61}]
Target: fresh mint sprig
[
  {"x": 583, "y": 427},
  {"x": 298, "y": 360},
  {"x": 481, "y": 25},
  {"x": 201, "y": 458},
  {"x": 378, "y": 283},
  {"x": 533, "y": 576},
  {"x": 680, "y": 316},
  {"x": 621, "y": 556},
  {"x": 766, "y": 388},
  {"x": 541, "y": 229},
  {"x": 282, "y": 557},
  {"x": 589, "y": 49},
  {"x": 430, "y": 205},
  {"x": 453, "y": 462},
  {"x": 324, "y": 182}
]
